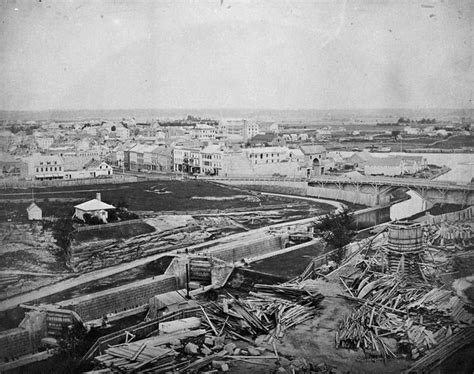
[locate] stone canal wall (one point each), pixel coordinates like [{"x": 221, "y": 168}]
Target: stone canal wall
[
  {"x": 249, "y": 247},
  {"x": 24, "y": 339},
  {"x": 120, "y": 298}
]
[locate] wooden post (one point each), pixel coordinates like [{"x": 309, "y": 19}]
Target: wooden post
[{"x": 187, "y": 281}]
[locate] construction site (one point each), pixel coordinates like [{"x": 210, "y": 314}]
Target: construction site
[{"x": 249, "y": 290}]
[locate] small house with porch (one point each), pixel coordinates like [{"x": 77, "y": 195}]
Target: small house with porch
[{"x": 95, "y": 207}]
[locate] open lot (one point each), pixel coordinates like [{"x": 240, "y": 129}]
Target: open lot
[{"x": 154, "y": 196}]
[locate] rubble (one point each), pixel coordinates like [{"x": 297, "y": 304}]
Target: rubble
[
  {"x": 416, "y": 310},
  {"x": 270, "y": 311},
  {"x": 231, "y": 323}
]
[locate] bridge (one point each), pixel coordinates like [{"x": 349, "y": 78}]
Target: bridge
[
  {"x": 371, "y": 191},
  {"x": 430, "y": 190}
]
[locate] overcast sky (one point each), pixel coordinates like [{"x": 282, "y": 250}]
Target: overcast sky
[{"x": 276, "y": 54}]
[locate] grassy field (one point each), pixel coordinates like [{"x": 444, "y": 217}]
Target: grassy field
[
  {"x": 142, "y": 196},
  {"x": 457, "y": 141}
]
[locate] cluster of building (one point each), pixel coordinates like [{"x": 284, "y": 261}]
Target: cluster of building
[{"x": 230, "y": 147}]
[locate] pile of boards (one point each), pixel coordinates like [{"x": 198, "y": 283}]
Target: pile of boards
[
  {"x": 443, "y": 351},
  {"x": 416, "y": 315},
  {"x": 264, "y": 315},
  {"x": 269, "y": 311},
  {"x": 451, "y": 236},
  {"x": 154, "y": 354}
]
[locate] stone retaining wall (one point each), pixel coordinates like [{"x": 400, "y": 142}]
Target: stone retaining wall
[
  {"x": 236, "y": 251},
  {"x": 24, "y": 339},
  {"x": 120, "y": 298}
]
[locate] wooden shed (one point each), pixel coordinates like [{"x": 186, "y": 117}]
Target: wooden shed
[{"x": 34, "y": 212}]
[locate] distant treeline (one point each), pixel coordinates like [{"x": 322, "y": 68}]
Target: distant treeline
[{"x": 406, "y": 121}]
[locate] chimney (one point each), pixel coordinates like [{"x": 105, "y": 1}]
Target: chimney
[{"x": 97, "y": 196}]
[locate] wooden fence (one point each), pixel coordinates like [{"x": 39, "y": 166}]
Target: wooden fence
[{"x": 18, "y": 183}]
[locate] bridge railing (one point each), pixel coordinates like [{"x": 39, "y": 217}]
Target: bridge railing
[{"x": 394, "y": 181}]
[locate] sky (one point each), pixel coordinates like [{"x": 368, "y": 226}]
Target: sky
[{"x": 278, "y": 54}]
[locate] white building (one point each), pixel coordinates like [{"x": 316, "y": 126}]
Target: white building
[
  {"x": 237, "y": 129},
  {"x": 98, "y": 168},
  {"x": 45, "y": 167},
  {"x": 393, "y": 166},
  {"x": 34, "y": 212},
  {"x": 187, "y": 159},
  {"x": 95, "y": 207},
  {"x": 211, "y": 159},
  {"x": 203, "y": 132},
  {"x": 45, "y": 142},
  {"x": 264, "y": 162}
]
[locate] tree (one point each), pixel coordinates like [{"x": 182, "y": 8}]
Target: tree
[
  {"x": 395, "y": 133},
  {"x": 62, "y": 230},
  {"x": 337, "y": 231}
]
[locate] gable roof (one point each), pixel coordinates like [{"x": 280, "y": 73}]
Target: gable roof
[
  {"x": 384, "y": 161},
  {"x": 361, "y": 156},
  {"x": 92, "y": 164},
  {"x": 267, "y": 137},
  {"x": 312, "y": 149},
  {"x": 296, "y": 152},
  {"x": 32, "y": 206},
  {"x": 94, "y": 204}
]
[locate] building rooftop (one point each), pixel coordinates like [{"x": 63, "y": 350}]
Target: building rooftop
[
  {"x": 93, "y": 204},
  {"x": 312, "y": 149},
  {"x": 92, "y": 164},
  {"x": 384, "y": 161},
  {"x": 32, "y": 206},
  {"x": 267, "y": 137}
]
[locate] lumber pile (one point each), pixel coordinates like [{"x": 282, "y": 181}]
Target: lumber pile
[
  {"x": 154, "y": 354},
  {"x": 443, "y": 351},
  {"x": 450, "y": 236},
  {"x": 86, "y": 256},
  {"x": 270, "y": 311},
  {"x": 8, "y": 279},
  {"x": 135, "y": 356},
  {"x": 415, "y": 314}
]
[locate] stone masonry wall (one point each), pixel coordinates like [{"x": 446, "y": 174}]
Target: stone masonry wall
[
  {"x": 120, "y": 298},
  {"x": 24, "y": 339},
  {"x": 234, "y": 252},
  {"x": 17, "y": 342}
]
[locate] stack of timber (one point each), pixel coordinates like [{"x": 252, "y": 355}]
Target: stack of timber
[
  {"x": 271, "y": 311},
  {"x": 8, "y": 279},
  {"x": 86, "y": 256},
  {"x": 450, "y": 236},
  {"x": 443, "y": 351},
  {"x": 136, "y": 356},
  {"x": 149, "y": 355},
  {"x": 415, "y": 314}
]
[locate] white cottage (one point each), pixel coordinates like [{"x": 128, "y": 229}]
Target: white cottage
[{"x": 94, "y": 207}]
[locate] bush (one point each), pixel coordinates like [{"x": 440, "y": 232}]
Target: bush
[{"x": 91, "y": 220}]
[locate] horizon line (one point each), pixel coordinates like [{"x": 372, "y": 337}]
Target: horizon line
[{"x": 224, "y": 109}]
